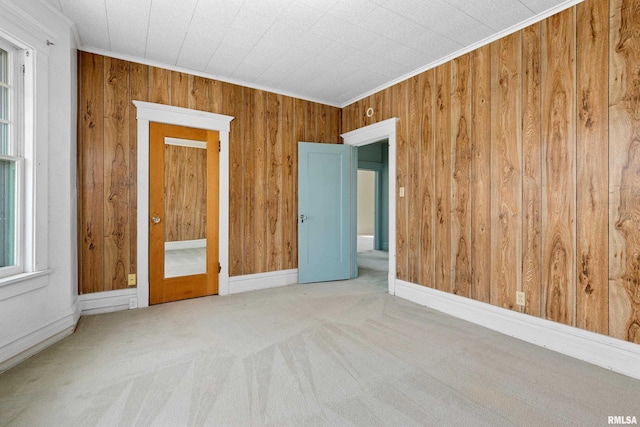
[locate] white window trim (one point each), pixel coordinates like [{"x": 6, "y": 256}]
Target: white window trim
[{"x": 22, "y": 33}]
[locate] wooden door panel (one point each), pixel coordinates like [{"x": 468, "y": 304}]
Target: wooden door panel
[{"x": 162, "y": 289}]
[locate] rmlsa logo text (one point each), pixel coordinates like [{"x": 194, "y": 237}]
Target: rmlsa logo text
[{"x": 620, "y": 419}]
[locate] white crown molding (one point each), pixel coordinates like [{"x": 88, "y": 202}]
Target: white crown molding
[
  {"x": 534, "y": 19},
  {"x": 610, "y": 353}
]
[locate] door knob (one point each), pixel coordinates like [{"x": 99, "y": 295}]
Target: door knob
[
  {"x": 155, "y": 219},
  {"x": 302, "y": 218}
]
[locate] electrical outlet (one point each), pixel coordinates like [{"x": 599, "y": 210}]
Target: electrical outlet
[
  {"x": 131, "y": 280},
  {"x": 133, "y": 303},
  {"x": 401, "y": 191},
  {"x": 520, "y": 299}
]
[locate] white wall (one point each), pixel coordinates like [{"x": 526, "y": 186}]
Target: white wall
[
  {"x": 366, "y": 201},
  {"x": 40, "y": 310}
]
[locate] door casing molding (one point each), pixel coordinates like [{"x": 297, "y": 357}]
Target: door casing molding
[
  {"x": 160, "y": 113},
  {"x": 385, "y": 129}
]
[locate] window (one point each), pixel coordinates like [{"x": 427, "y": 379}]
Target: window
[{"x": 11, "y": 161}]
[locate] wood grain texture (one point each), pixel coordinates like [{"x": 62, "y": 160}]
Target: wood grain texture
[
  {"x": 138, "y": 90},
  {"x": 481, "y": 174},
  {"x": 289, "y": 208},
  {"x": 91, "y": 172},
  {"x": 274, "y": 250},
  {"x": 249, "y": 173},
  {"x": 461, "y": 174},
  {"x": 443, "y": 177},
  {"x": 624, "y": 170},
  {"x": 198, "y": 93},
  {"x": 414, "y": 197},
  {"x": 251, "y": 132},
  {"x": 159, "y": 85},
  {"x": 426, "y": 183},
  {"x": 558, "y": 168},
  {"x": 116, "y": 174},
  {"x": 400, "y": 94},
  {"x": 179, "y": 89},
  {"x": 531, "y": 170},
  {"x": 233, "y": 106},
  {"x": 506, "y": 182},
  {"x": 592, "y": 198}
]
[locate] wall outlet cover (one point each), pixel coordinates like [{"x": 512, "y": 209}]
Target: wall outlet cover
[{"x": 520, "y": 298}]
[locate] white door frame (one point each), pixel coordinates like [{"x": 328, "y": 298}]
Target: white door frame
[
  {"x": 369, "y": 135},
  {"x": 160, "y": 113}
]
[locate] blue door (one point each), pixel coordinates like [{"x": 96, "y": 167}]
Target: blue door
[{"x": 326, "y": 230}]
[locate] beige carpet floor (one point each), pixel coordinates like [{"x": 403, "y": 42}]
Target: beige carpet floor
[{"x": 335, "y": 353}]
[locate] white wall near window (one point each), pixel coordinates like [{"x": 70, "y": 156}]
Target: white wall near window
[{"x": 40, "y": 307}]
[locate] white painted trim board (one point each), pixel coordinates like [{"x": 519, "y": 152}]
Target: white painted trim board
[
  {"x": 610, "y": 353},
  {"x": 254, "y": 282}
]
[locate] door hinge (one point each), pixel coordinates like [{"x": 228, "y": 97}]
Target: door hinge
[
  {"x": 24, "y": 70},
  {"x": 219, "y": 268},
  {"x": 219, "y": 146}
]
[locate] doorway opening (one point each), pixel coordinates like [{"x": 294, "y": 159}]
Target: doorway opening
[
  {"x": 384, "y": 130},
  {"x": 372, "y": 213}
]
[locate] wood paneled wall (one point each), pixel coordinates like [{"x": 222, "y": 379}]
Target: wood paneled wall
[
  {"x": 521, "y": 163},
  {"x": 263, "y": 165}
]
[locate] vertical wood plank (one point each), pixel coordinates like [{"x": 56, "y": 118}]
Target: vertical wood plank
[
  {"x": 443, "y": 177},
  {"x": 481, "y": 174},
  {"x": 91, "y": 172},
  {"x": 179, "y": 89},
  {"x": 531, "y": 179},
  {"x": 414, "y": 197},
  {"x": 138, "y": 90},
  {"x": 426, "y": 179},
  {"x": 460, "y": 184},
  {"x": 216, "y": 97},
  {"x": 558, "y": 167},
  {"x": 274, "y": 182},
  {"x": 198, "y": 93},
  {"x": 321, "y": 124},
  {"x": 254, "y": 185},
  {"x": 592, "y": 132},
  {"x": 159, "y": 86},
  {"x": 624, "y": 170},
  {"x": 116, "y": 174},
  {"x": 232, "y": 105},
  {"x": 506, "y": 184},
  {"x": 310, "y": 134},
  {"x": 289, "y": 214},
  {"x": 400, "y": 94}
]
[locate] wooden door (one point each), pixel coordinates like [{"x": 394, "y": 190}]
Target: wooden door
[
  {"x": 326, "y": 212},
  {"x": 183, "y": 212}
]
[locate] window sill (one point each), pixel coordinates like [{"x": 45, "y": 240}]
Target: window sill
[{"x": 8, "y": 291}]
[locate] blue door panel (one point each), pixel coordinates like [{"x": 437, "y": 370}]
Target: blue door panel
[{"x": 324, "y": 198}]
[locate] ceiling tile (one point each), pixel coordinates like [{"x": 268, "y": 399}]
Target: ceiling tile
[
  {"x": 496, "y": 14},
  {"x": 168, "y": 25},
  {"x": 91, "y": 20},
  {"x": 128, "y": 24}
]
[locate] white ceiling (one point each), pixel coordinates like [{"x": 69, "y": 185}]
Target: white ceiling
[{"x": 331, "y": 51}]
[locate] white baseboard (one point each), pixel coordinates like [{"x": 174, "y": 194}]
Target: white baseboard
[
  {"x": 34, "y": 342},
  {"x": 106, "y": 302},
  {"x": 253, "y": 282},
  {"x": 610, "y": 353}
]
